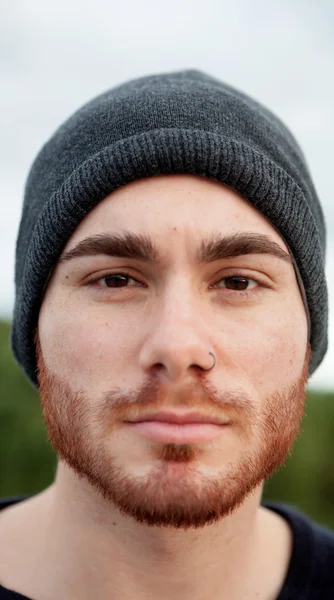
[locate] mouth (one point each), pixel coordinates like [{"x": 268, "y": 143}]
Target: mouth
[{"x": 178, "y": 433}]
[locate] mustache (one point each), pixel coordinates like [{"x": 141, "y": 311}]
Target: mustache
[{"x": 195, "y": 395}]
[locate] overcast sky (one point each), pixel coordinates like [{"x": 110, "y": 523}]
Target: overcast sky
[{"x": 57, "y": 56}]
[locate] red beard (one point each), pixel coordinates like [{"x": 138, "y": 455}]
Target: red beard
[{"x": 266, "y": 435}]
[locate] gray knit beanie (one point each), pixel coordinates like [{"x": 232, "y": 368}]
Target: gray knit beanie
[{"x": 181, "y": 122}]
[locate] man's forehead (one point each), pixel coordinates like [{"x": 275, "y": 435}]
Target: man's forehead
[{"x": 174, "y": 207}]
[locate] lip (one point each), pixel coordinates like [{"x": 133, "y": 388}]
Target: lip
[
  {"x": 183, "y": 428},
  {"x": 179, "y": 418},
  {"x": 177, "y": 433}
]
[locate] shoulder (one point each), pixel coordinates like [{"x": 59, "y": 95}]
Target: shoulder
[
  {"x": 311, "y": 569},
  {"x": 320, "y": 561},
  {"x": 307, "y": 530},
  {"x": 324, "y": 547},
  {"x": 11, "y": 500}
]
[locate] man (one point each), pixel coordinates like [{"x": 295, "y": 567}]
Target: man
[{"x": 170, "y": 306}]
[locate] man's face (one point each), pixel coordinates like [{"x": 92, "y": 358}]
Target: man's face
[{"x": 122, "y": 335}]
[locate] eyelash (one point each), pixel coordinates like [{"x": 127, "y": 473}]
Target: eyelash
[{"x": 245, "y": 293}]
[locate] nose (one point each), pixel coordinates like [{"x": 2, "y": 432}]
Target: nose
[{"x": 178, "y": 341}]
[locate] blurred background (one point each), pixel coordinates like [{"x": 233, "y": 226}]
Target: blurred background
[{"x": 56, "y": 56}]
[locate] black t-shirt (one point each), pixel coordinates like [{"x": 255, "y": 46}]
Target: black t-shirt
[{"x": 311, "y": 571}]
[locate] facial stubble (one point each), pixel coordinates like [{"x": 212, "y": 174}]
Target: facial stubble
[{"x": 78, "y": 429}]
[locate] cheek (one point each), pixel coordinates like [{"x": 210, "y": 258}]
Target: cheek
[
  {"x": 86, "y": 347},
  {"x": 268, "y": 349}
]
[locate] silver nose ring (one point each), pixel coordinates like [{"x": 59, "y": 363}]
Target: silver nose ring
[{"x": 214, "y": 362}]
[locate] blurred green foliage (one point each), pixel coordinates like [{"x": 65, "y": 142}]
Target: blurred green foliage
[{"x": 28, "y": 463}]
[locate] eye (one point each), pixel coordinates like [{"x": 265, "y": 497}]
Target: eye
[
  {"x": 237, "y": 283},
  {"x": 117, "y": 280}
]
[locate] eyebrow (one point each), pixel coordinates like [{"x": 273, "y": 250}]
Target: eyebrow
[{"x": 141, "y": 247}]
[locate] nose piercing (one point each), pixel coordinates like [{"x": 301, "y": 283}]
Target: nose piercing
[{"x": 214, "y": 362}]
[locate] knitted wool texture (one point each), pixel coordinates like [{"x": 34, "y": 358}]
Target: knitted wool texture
[{"x": 180, "y": 122}]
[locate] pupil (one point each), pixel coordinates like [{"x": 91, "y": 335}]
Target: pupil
[
  {"x": 239, "y": 283},
  {"x": 116, "y": 280}
]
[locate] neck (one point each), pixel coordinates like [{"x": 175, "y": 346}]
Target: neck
[{"x": 97, "y": 548}]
